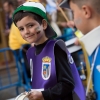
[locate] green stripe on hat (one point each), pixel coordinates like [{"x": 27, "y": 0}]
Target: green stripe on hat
[{"x": 31, "y": 9}]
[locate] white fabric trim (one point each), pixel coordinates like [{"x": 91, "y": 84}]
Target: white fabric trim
[
  {"x": 37, "y": 89},
  {"x": 31, "y": 68},
  {"x": 91, "y": 40},
  {"x": 35, "y": 4}
]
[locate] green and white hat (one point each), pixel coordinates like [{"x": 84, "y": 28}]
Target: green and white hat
[{"x": 38, "y": 9}]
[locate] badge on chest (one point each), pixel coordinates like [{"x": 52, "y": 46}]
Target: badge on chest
[{"x": 46, "y": 67}]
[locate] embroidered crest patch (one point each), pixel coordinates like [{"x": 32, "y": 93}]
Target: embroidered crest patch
[{"x": 46, "y": 67}]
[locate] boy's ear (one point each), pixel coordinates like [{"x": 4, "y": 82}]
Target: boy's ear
[
  {"x": 87, "y": 11},
  {"x": 44, "y": 24}
]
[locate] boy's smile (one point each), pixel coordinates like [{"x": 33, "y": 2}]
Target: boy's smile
[{"x": 31, "y": 30}]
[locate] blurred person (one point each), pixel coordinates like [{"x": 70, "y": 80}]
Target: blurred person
[
  {"x": 61, "y": 21},
  {"x": 8, "y": 8},
  {"x": 51, "y": 8},
  {"x": 87, "y": 19}
]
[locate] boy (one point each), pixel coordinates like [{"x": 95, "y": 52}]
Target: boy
[
  {"x": 87, "y": 20},
  {"x": 51, "y": 73}
]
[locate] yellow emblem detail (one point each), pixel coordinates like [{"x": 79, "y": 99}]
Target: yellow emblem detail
[{"x": 46, "y": 59}]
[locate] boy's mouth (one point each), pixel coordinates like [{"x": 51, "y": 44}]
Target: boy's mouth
[{"x": 32, "y": 35}]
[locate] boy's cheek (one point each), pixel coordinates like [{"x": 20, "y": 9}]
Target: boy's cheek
[
  {"x": 22, "y": 36},
  {"x": 38, "y": 29},
  {"x": 78, "y": 21}
]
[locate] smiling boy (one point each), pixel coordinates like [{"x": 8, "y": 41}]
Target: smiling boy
[{"x": 51, "y": 66}]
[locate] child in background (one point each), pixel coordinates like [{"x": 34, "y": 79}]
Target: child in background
[
  {"x": 51, "y": 66},
  {"x": 87, "y": 19}
]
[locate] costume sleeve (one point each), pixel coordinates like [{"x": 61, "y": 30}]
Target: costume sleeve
[{"x": 65, "y": 83}]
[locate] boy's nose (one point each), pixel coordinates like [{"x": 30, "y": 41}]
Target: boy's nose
[{"x": 26, "y": 31}]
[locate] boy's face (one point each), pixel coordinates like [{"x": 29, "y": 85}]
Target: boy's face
[
  {"x": 31, "y": 30},
  {"x": 79, "y": 17}
]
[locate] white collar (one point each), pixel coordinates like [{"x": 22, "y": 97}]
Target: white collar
[{"x": 91, "y": 40}]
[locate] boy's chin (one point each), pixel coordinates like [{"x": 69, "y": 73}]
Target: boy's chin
[{"x": 30, "y": 42}]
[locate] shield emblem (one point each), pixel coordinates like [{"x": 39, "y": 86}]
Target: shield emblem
[{"x": 46, "y": 68}]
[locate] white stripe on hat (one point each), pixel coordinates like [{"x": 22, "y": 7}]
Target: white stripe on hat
[{"x": 35, "y": 4}]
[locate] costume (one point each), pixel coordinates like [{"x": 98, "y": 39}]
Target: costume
[
  {"x": 93, "y": 37},
  {"x": 47, "y": 75},
  {"x": 8, "y": 22}
]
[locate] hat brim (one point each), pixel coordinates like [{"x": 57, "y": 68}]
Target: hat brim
[
  {"x": 64, "y": 4},
  {"x": 50, "y": 33}
]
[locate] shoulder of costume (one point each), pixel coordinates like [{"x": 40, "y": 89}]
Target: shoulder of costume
[{"x": 29, "y": 50}]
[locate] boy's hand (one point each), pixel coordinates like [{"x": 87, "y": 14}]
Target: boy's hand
[
  {"x": 35, "y": 95},
  {"x": 77, "y": 42},
  {"x": 70, "y": 24},
  {"x": 64, "y": 24}
]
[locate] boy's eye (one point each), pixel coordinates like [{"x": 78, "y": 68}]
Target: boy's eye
[
  {"x": 21, "y": 29},
  {"x": 31, "y": 25}
]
